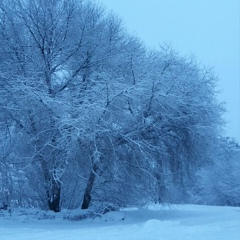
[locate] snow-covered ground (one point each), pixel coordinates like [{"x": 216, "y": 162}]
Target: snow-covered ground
[{"x": 191, "y": 222}]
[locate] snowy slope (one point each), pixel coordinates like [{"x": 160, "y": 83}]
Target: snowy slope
[{"x": 191, "y": 222}]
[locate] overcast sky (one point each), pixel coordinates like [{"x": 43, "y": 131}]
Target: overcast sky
[{"x": 206, "y": 29}]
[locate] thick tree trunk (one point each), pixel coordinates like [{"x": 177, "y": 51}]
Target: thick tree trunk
[
  {"x": 54, "y": 198},
  {"x": 87, "y": 194},
  {"x": 53, "y": 188}
]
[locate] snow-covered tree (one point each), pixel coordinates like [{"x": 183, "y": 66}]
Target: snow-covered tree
[
  {"x": 94, "y": 115},
  {"x": 218, "y": 182}
]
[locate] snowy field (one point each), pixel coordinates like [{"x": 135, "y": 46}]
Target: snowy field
[{"x": 191, "y": 222}]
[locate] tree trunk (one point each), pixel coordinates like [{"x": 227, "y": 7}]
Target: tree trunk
[
  {"x": 87, "y": 194},
  {"x": 54, "y": 195},
  {"x": 53, "y": 188}
]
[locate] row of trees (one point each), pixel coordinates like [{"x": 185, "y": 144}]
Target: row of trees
[{"x": 89, "y": 115}]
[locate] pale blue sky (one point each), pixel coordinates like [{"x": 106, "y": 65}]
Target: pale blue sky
[{"x": 206, "y": 29}]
